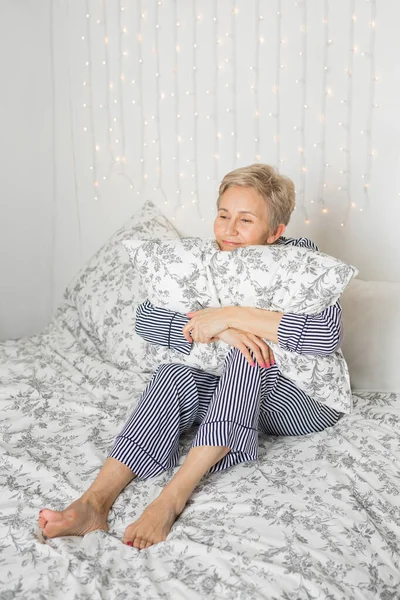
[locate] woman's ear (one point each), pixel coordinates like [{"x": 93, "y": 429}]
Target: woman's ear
[{"x": 280, "y": 230}]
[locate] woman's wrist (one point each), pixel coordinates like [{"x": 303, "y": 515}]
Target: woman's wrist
[{"x": 260, "y": 322}]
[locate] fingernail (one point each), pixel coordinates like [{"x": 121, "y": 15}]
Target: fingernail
[
  {"x": 267, "y": 365},
  {"x": 253, "y": 364},
  {"x": 263, "y": 365},
  {"x": 129, "y": 543}
]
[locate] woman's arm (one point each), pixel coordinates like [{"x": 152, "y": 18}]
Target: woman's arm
[
  {"x": 306, "y": 334},
  {"x": 161, "y": 326}
]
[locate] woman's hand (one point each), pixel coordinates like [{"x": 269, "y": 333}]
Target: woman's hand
[
  {"x": 205, "y": 325},
  {"x": 246, "y": 342}
]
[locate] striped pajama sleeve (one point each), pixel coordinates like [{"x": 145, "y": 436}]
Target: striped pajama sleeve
[
  {"x": 319, "y": 334},
  {"x": 162, "y": 326},
  {"x": 312, "y": 334}
]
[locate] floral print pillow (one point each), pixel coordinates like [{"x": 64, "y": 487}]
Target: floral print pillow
[
  {"x": 190, "y": 273},
  {"x": 106, "y": 291}
]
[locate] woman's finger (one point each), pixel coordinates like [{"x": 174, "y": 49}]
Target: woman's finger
[
  {"x": 186, "y": 329},
  {"x": 271, "y": 356},
  {"x": 256, "y": 351},
  {"x": 245, "y": 351},
  {"x": 264, "y": 350}
]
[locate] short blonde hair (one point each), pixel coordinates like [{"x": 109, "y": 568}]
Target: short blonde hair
[{"x": 277, "y": 190}]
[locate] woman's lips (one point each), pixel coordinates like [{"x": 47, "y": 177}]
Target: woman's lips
[{"x": 230, "y": 243}]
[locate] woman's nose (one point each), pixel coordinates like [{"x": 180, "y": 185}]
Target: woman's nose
[{"x": 231, "y": 227}]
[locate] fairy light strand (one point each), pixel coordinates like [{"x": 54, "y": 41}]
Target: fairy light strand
[
  {"x": 52, "y": 254},
  {"x": 108, "y": 89},
  {"x": 72, "y": 134},
  {"x": 256, "y": 84},
  {"x": 121, "y": 78},
  {"x": 303, "y": 54},
  {"x": 177, "y": 128},
  {"x": 349, "y": 111},
  {"x": 140, "y": 87},
  {"x": 159, "y": 161},
  {"x": 216, "y": 103},
  {"x": 234, "y": 86},
  {"x": 371, "y": 106},
  {"x": 196, "y": 201},
  {"x": 278, "y": 85},
  {"x": 93, "y": 166},
  {"x": 322, "y": 179}
]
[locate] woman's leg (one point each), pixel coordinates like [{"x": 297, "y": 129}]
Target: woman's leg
[
  {"x": 228, "y": 435},
  {"x": 287, "y": 410},
  {"x": 147, "y": 445}
]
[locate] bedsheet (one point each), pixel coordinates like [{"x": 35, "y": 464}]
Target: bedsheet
[{"x": 315, "y": 517}]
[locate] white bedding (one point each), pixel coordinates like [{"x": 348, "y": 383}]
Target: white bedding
[{"x": 316, "y": 517}]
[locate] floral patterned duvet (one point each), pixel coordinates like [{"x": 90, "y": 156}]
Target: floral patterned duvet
[{"x": 316, "y": 517}]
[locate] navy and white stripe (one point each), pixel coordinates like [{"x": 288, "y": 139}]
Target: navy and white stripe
[
  {"x": 230, "y": 409},
  {"x": 310, "y": 334},
  {"x": 161, "y": 326}
]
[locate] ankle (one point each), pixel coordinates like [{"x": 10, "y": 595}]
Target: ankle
[
  {"x": 99, "y": 502},
  {"x": 176, "y": 497}
]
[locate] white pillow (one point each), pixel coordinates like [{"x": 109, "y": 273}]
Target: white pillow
[
  {"x": 188, "y": 273},
  {"x": 106, "y": 291},
  {"x": 371, "y": 345}
]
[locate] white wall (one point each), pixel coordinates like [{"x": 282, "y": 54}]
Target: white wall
[{"x": 53, "y": 217}]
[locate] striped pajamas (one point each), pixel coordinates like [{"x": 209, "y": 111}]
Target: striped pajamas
[{"x": 230, "y": 409}]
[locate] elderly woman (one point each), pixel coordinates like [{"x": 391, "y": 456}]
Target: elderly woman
[{"x": 251, "y": 395}]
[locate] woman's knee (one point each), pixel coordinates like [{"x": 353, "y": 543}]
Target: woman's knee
[
  {"x": 235, "y": 356},
  {"x": 168, "y": 369}
]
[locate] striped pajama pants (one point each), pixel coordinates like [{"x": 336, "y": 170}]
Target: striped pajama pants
[{"x": 230, "y": 410}]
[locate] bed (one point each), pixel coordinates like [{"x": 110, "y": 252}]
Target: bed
[{"x": 315, "y": 517}]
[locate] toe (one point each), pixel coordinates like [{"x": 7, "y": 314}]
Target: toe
[
  {"x": 136, "y": 543},
  {"x": 148, "y": 545},
  {"x": 51, "y": 515},
  {"x": 143, "y": 544}
]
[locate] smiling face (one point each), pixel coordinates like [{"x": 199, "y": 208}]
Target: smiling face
[{"x": 242, "y": 220}]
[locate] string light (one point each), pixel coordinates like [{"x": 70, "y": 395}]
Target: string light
[
  {"x": 371, "y": 104},
  {"x": 225, "y": 126},
  {"x": 121, "y": 160},
  {"x": 91, "y": 101},
  {"x": 303, "y": 55},
  {"x": 177, "y": 110},
  {"x": 349, "y": 111},
  {"x": 321, "y": 186},
  {"x": 278, "y": 84},
  {"x": 256, "y": 83},
  {"x": 195, "y": 115},
  {"x": 234, "y": 13},
  {"x": 216, "y": 103},
  {"x": 159, "y": 163}
]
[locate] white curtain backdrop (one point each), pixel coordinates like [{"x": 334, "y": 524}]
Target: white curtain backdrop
[{"x": 106, "y": 103}]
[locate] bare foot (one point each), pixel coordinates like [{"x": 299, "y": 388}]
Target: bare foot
[
  {"x": 81, "y": 517},
  {"x": 155, "y": 523}
]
